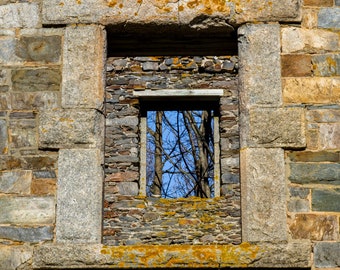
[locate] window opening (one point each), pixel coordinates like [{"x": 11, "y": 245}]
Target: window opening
[{"x": 180, "y": 146}]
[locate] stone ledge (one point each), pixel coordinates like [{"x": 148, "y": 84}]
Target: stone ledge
[{"x": 59, "y": 256}]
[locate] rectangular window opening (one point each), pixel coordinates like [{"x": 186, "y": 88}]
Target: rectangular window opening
[{"x": 180, "y": 155}]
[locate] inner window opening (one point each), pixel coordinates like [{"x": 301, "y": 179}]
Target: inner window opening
[{"x": 180, "y": 153}]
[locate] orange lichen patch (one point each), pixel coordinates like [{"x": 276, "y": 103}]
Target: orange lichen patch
[
  {"x": 139, "y": 1},
  {"x": 121, "y": 5},
  {"x": 180, "y": 8},
  {"x": 179, "y": 255},
  {"x": 210, "y": 6},
  {"x": 111, "y": 3},
  {"x": 61, "y": 4}
]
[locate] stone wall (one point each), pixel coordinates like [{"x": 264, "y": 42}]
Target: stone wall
[
  {"x": 52, "y": 70},
  {"x": 310, "y": 77},
  {"x": 130, "y": 219}
]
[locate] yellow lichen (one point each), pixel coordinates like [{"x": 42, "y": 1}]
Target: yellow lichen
[{"x": 111, "y": 3}]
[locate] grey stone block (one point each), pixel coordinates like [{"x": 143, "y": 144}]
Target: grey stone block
[
  {"x": 32, "y": 235},
  {"x": 83, "y": 68},
  {"x": 79, "y": 197},
  {"x": 327, "y": 255},
  {"x": 35, "y": 100},
  {"x": 43, "y": 79},
  {"x": 337, "y": 2},
  {"x": 39, "y": 48},
  {"x": 15, "y": 182},
  {"x": 68, "y": 128},
  {"x": 20, "y": 15},
  {"x": 7, "y": 50},
  {"x": 27, "y": 210},
  {"x": 329, "y": 18},
  {"x": 277, "y": 127},
  {"x": 3, "y": 137},
  {"x": 15, "y": 257},
  {"x": 326, "y": 65},
  {"x": 326, "y": 200},
  {"x": 322, "y": 173},
  {"x": 263, "y": 216},
  {"x": 260, "y": 66}
]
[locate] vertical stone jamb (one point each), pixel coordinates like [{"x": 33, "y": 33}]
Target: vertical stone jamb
[
  {"x": 263, "y": 184},
  {"x": 80, "y": 171}
]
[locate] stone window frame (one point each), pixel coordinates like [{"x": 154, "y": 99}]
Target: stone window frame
[
  {"x": 179, "y": 94},
  {"x": 79, "y": 193}
]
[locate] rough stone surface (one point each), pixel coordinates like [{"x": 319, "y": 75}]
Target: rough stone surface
[
  {"x": 79, "y": 197},
  {"x": 262, "y": 173},
  {"x": 3, "y": 137},
  {"x": 15, "y": 257},
  {"x": 314, "y": 227},
  {"x": 323, "y": 200},
  {"x": 296, "y": 65},
  {"x": 35, "y": 100},
  {"x": 83, "y": 67},
  {"x": 39, "y": 48},
  {"x": 320, "y": 90},
  {"x": 18, "y": 182},
  {"x": 20, "y": 15},
  {"x": 318, "y": 3},
  {"x": 195, "y": 256},
  {"x": 329, "y": 18},
  {"x": 68, "y": 128},
  {"x": 326, "y": 65},
  {"x": 260, "y": 67},
  {"x": 296, "y": 40},
  {"x": 326, "y": 255},
  {"x": 329, "y": 136},
  {"x": 322, "y": 173},
  {"x": 27, "y": 210},
  {"x": 31, "y": 235},
  {"x": 181, "y": 12},
  {"x": 277, "y": 127},
  {"x": 30, "y": 80}
]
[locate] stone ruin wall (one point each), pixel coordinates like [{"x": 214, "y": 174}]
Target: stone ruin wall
[
  {"x": 52, "y": 122},
  {"x": 130, "y": 219}
]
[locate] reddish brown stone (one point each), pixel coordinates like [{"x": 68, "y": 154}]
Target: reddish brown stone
[
  {"x": 43, "y": 186},
  {"x": 318, "y": 3},
  {"x": 122, "y": 177},
  {"x": 296, "y": 65},
  {"x": 314, "y": 227}
]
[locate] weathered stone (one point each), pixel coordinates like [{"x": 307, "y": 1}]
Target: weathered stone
[
  {"x": 314, "y": 227},
  {"x": 329, "y": 136},
  {"x": 326, "y": 65},
  {"x": 260, "y": 67},
  {"x": 323, "y": 115},
  {"x": 22, "y": 115},
  {"x": 35, "y": 101},
  {"x": 184, "y": 12},
  {"x": 309, "y": 156},
  {"x": 5, "y": 103},
  {"x": 128, "y": 188},
  {"x": 15, "y": 182},
  {"x": 318, "y": 3},
  {"x": 296, "y": 40},
  {"x": 337, "y": 2},
  {"x": 3, "y": 137},
  {"x": 79, "y": 197},
  {"x": 23, "y": 133},
  {"x": 65, "y": 128},
  {"x": 15, "y": 257},
  {"x": 309, "y": 18},
  {"x": 28, "y": 80},
  {"x": 277, "y": 127},
  {"x": 20, "y": 15},
  {"x": 299, "y": 192},
  {"x": 32, "y": 235},
  {"x": 27, "y": 210},
  {"x": 262, "y": 173},
  {"x": 298, "y": 205},
  {"x": 326, "y": 255},
  {"x": 329, "y": 18},
  {"x": 39, "y": 48},
  {"x": 326, "y": 200},
  {"x": 304, "y": 173},
  {"x": 7, "y": 50},
  {"x": 43, "y": 187},
  {"x": 296, "y": 65},
  {"x": 320, "y": 90},
  {"x": 144, "y": 256},
  {"x": 83, "y": 67}
]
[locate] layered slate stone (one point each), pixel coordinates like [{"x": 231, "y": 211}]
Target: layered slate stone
[
  {"x": 329, "y": 18},
  {"x": 31, "y": 235},
  {"x": 326, "y": 255}
]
